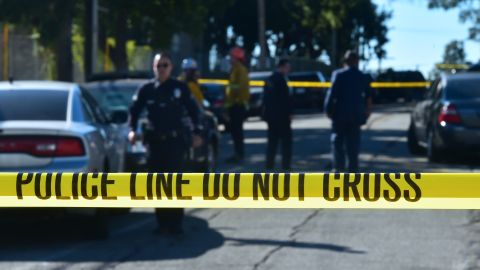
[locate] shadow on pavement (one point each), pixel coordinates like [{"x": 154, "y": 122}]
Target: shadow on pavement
[
  {"x": 295, "y": 244},
  {"x": 66, "y": 240},
  {"x": 381, "y": 151}
]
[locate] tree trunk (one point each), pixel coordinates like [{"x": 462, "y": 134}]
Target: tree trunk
[
  {"x": 88, "y": 39},
  {"x": 119, "y": 53},
  {"x": 64, "y": 59}
]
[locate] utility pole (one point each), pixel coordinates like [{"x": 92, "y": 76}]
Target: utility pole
[
  {"x": 6, "y": 60},
  {"x": 261, "y": 33},
  {"x": 333, "y": 56},
  {"x": 91, "y": 37},
  {"x": 94, "y": 34}
]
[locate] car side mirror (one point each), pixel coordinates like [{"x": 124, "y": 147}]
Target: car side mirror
[{"x": 119, "y": 117}]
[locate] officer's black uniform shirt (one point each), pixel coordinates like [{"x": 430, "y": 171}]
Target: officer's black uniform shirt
[
  {"x": 167, "y": 104},
  {"x": 277, "y": 100}
]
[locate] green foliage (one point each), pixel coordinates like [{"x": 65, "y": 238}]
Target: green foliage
[
  {"x": 454, "y": 53},
  {"x": 469, "y": 12},
  {"x": 303, "y": 28}
]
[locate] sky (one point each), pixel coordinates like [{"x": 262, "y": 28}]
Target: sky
[{"x": 418, "y": 35}]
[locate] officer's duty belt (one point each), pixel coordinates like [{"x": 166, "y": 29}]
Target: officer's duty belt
[{"x": 158, "y": 135}]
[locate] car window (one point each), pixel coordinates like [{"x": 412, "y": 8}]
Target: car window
[
  {"x": 97, "y": 112},
  {"x": 307, "y": 78},
  {"x": 438, "y": 91},
  {"x": 87, "y": 111},
  {"x": 431, "y": 91},
  {"x": 463, "y": 89},
  {"x": 112, "y": 97},
  {"x": 36, "y": 105}
]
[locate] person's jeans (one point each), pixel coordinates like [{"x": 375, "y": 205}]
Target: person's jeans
[
  {"x": 237, "y": 113},
  {"x": 279, "y": 131},
  {"x": 345, "y": 140}
]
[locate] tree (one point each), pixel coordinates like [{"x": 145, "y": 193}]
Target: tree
[
  {"x": 454, "y": 53},
  {"x": 303, "y": 28},
  {"x": 469, "y": 12},
  {"x": 152, "y": 22},
  {"x": 53, "y": 20}
]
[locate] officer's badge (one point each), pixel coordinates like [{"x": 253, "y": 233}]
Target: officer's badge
[{"x": 177, "y": 93}]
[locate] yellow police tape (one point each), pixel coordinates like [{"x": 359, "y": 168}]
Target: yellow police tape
[
  {"x": 257, "y": 83},
  {"x": 241, "y": 190}
]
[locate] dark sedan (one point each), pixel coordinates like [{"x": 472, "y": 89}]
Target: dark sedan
[
  {"x": 311, "y": 97},
  {"x": 448, "y": 119}
]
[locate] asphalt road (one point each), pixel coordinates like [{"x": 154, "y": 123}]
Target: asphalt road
[{"x": 270, "y": 239}]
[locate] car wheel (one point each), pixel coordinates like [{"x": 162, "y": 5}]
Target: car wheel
[
  {"x": 412, "y": 141},
  {"x": 210, "y": 158},
  {"x": 434, "y": 154}
]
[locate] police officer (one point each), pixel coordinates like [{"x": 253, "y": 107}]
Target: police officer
[
  {"x": 277, "y": 113},
  {"x": 348, "y": 104},
  {"x": 190, "y": 76},
  {"x": 167, "y": 101}
]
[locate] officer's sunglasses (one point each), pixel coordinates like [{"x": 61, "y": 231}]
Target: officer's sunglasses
[{"x": 164, "y": 65}]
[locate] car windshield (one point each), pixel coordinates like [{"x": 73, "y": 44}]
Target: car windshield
[
  {"x": 36, "y": 105},
  {"x": 463, "y": 89},
  {"x": 213, "y": 91},
  {"x": 113, "y": 97},
  {"x": 304, "y": 77}
]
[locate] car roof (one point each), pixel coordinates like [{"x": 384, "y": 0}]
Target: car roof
[
  {"x": 126, "y": 82},
  {"x": 259, "y": 74},
  {"x": 463, "y": 75},
  {"x": 37, "y": 85},
  {"x": 304, "y": 73}
]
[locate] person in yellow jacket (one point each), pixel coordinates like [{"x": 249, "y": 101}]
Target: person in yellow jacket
[
  {"x": 237, "y": 100},
  {"x": 190, "y": 76}
]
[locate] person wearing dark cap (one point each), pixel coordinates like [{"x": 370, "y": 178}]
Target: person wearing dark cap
[
  {"x": 277, "y": 113},
  {"x": 348, "y": 104}
]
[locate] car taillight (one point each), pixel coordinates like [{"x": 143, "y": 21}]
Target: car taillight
[
  {"x": 449, "y": 115},
  {"x": 42, "y": 146},
  {"x": 69, "y": 147},
  {"x": 218, "y": 103}
]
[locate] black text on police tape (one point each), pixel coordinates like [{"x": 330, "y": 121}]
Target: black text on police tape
[{"x": 369, "y": 187}]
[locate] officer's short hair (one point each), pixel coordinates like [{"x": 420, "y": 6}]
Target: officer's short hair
[
  {"x": 160, "y": 55},
  {"x": 283, "y": 62},
  {"x": 350, "y": 56}
]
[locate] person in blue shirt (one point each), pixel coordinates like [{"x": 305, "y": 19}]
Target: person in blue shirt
[{"x": 348, "y": 104}]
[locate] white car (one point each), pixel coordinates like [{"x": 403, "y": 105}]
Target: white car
[{"x": 57, "y": 127}]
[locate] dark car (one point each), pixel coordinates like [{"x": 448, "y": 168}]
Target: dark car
[
  {"x": 407, "y": 94},
  {"x": 115, "y": 95},
  {"x": 448, "y": 119},
  {"x": 307, "y": 97},
  {"x": 256, "y": 92},
  {"x": 215, "y": 95}
]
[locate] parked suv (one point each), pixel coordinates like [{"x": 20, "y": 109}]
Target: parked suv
[{"x": 308, "y": 97}]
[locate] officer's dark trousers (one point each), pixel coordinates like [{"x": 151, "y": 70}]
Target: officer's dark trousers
[
  {"x": 345, "y": 139},
  {"x": 168, "y": 156},
  {"x": 279, "y": 131},
  {"x": 238, "y": 113}
]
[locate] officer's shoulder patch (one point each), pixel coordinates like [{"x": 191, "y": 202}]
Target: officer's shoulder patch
[{"x": 177, "y": 93}]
